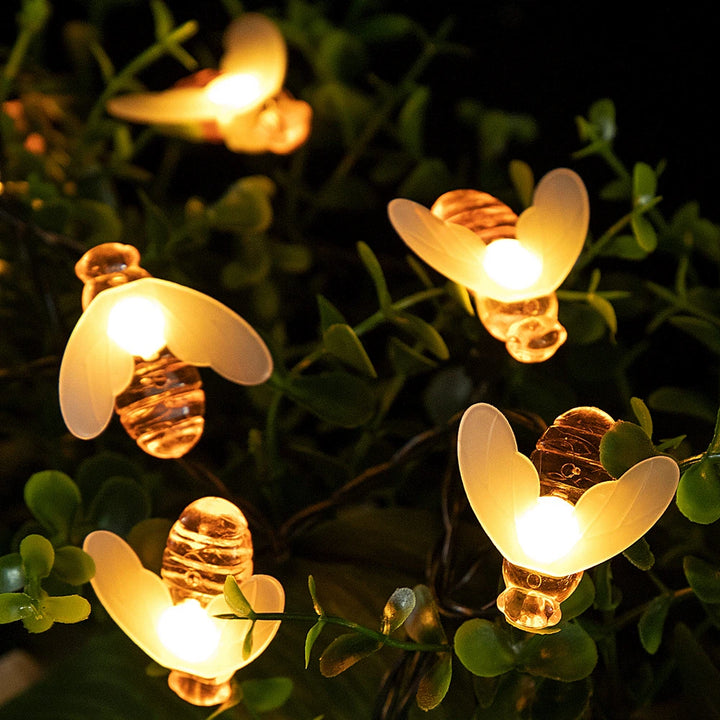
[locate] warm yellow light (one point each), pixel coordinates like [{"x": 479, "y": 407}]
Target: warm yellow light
[
  {"x": 548, "y": 530},
  {"x": 235, "y": 91},
  {"x": 511, "y": 265},
  {"x": 137, "y": 325},
  {"x": 188, "y": 631}
]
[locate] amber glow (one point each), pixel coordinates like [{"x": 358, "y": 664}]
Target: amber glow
[
  {"x": 548, "y": 530},
  {"x": 511, "y": 265},
  {"x": 137, "y": 325},
  {"x": 188, "y": 631},
  {"x": 235, "y": 91}
]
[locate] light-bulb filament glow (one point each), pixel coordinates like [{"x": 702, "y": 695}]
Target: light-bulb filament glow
[
  {"x": 548, "y": 530},
  {"x": 188, "y": 631},
  {"x": 137, "y": 325},
  {"x": 511, "y": 265},
  {"x": 234, "y": 91}
]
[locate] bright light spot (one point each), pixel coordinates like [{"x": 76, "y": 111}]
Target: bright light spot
[
  {"x": 137, "y": 325},
  {"x": 511, "y": 265},
  {"x": 188, "y": 631},
  {"x": 234, "y": 91},
  {"x": 549, "y": 530}
]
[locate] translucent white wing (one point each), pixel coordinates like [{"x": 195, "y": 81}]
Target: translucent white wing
[
  {"x": 204, "y": 332},
  {"x": 255, "y": 46},
  {"x": 136, "y": 598},
  {"x": 93, "y": 371},
  {"x": 453, "y": 250},
  {"x": 175, "y": 105},
  {"x": 501, "y": 483},
  {"x": 614, "y": 515},
  {"x": 555, "y": 226}
]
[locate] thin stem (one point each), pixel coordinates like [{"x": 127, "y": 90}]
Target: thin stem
[
  {"x": 145, "y": 58},
  {"x": 342, "y": 622}
]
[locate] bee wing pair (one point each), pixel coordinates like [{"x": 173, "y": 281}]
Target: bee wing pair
[
  {"x": 253, "y": 46},
  {"x": 553, "y": 229},
  {"x": 198, "y": 330},
  {"x": 502, "y": 484},
  {"x": 135, "y": 598}
]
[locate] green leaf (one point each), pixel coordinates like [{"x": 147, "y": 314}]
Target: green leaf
[
  {"x": 98, "y": 221},
  {"x": 73, "y": 565},
  {"x": 652, "y": 622},
  {"x": 422, "y": 331},
  {"x": 235, "y": 599},
  {"x": 12, "y": 577},
  {"x": 246, "y": 206},
  {"x": 329, "y": 314},
  {"x": 640, "y": 554},
  {"x": 312, "y": 589},
  {"x": 625, "y": 444},
  {"x": 568, "y": 655},
  {"x": 607, "y": 595},
  {"x": 580, "y": 599},
  {"x": 406, "y": 360},
  {"x": 33, "y": 15},
  {"x": 435, "y": 683},
  {"x": 37, "y": 556},
  {"x": 602, "y": 116},
  {"x": 642, "y": 414},
  {"x": 644, "y": 232},
  {"x": 53, "y": 498},
  {"x": 700, "y": 679},
  {"x": 703, "y": 577},
  {"x": 605, "y": 309},
  {"x": 345, "y": 651},
  {"x": 411, "y": 121},
  {"x": 340, "y": 56},
  {"x": 372, "y": 265},
  {"x": 702, "y": 330},
  {"x": 397, "y": 609},
  {"x": 267, "y": 694},
  {"x": 684, "y": 401},
  {"x": 119, "y": 504},
  {"x": 423, "y": 624},
  {"x": 336, "y": 397},
  {"x": 429, "y": 179},
  {"x": 626, "y": 247},
  {"x": 483, "y": 648},
  {"x": 67, "y": 608},
  {"x": 311, "y": 637},
  {"x": 698, "y": 493},
  {"x": 248, "y": 640},
  {"x": 523, "y": 181},
  {"x": 291, "y": 258},
  {"x": 148, "y": 539},
  {"x": 15, "y": 606},
  {"x": 644, "y": 183},
  {"x": 342, "y": 342}
]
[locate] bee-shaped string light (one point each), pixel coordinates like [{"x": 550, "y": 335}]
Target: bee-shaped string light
[
  {"x": 135, "y": 349},
  {"x": 243, "y": 104},
  {"x": 560, "y": 513},
  {"x": 512, "y": 265}
]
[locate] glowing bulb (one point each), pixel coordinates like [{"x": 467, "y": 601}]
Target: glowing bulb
[
  {"x": 235, "y": 91},
  {"x": 137, "y": 325},
  {"x": 188, "y": 631},
  {"x": 511, "y": 265},
  {"x": 548, "y": 530}
]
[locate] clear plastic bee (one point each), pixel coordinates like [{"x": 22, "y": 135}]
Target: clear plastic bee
[
  {"x": 512, "y": 265},
  {"x": 553, "y": 526},
  {"x": 135, "y": 349},
  {"x": 243, "y": 104},
  {"x": 175, "y": 625}
]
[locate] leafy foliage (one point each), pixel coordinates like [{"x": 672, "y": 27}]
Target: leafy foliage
[{"x": 344, "y": 462}]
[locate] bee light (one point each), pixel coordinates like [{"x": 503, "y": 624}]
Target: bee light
[
  {"x": 243, "y": 104},
  {"x": 558, "y": 514},
  {"x": 136, "y": 347},
  {"x": 173, "y": 618},
  {"x": 511, "y": 264}
]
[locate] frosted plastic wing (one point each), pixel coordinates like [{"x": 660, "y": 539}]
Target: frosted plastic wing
[
  {"x": 453, "y": 250},
  {"x": 255, "y": 46},
  {"x": 501, "y": 484},
  {"x": 555, "y": 226},
  {"x": 136, "y": 598},
  {"x": 93, "y": 371},
  {"x": 175, "y": 105},
  {"x": 202, "y": 331}
]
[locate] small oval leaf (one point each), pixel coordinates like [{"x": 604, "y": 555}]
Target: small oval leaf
[
  {"x": 343, "y": 652},
  {"x": 483, "y": 648},
  {"x": 397, "y": 609}
]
